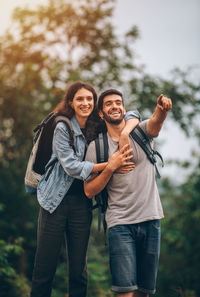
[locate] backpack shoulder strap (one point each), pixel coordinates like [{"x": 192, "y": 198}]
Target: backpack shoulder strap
[
  {"x": 141, "y": 138},
  {"x": 44, "y": 121},
  {"x": 60, "y": 118},
  {"x": 101, "y": 145}
]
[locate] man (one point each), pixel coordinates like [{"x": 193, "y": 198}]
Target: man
[{"x": 134, "y": 208}]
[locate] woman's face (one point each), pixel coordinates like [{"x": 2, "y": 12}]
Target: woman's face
[{"x": 83, "y": 103}]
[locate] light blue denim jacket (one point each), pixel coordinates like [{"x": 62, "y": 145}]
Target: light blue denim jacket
[{"x": 70, "y": 165}]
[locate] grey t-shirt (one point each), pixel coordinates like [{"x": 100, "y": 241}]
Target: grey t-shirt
[{"x": 133, "y": 196}]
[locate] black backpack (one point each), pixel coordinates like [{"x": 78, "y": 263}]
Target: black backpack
[
  {"x": 101, "y": 145},
  {"x": 42, "y": 150}
]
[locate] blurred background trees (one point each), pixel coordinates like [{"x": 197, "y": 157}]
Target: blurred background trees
[{"x": 47, "y": 48}]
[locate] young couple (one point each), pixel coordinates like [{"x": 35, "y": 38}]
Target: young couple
[{"x": 134, "y": 206}]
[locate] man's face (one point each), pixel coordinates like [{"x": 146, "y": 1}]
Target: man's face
[{"x": 113, "y": 109}]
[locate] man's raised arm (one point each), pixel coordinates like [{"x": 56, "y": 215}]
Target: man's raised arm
[{"x": 155, "y": 123}]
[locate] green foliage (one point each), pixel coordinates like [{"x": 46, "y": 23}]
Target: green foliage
[
  {"x": 98, "y": 263},
  {"x": 184, "y": 93},
  {"x": 11, "y": 282},
  {"x": 180, "y": 258},
  {"x": 186, "y": 100}
]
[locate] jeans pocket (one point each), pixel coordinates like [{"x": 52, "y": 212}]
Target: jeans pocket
[{"x": 156, "y": 224}]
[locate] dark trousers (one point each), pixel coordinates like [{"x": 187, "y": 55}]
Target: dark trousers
[{"x": 73, "y": 218}]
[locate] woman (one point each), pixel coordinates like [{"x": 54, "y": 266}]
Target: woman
[{"x": 64, "y": 207}]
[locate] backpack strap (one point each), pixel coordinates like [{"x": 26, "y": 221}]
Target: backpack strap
[
  {"x": 60, "y": 118},
  {"x": 140, "y": 137},
  {"x": 44, "y": 122},
  {"x": 101, "y": 145}
]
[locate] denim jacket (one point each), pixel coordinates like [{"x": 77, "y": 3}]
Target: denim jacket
[{"x": 54, "y": 185}]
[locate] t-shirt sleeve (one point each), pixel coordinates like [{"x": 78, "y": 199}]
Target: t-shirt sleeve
[{"x": 143, "y": 126}]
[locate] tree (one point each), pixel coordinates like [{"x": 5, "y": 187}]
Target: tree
[
  {"x": 180, "y": 259},
  {"x": 11, "y": 282}
]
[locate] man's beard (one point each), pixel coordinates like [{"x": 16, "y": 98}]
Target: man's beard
[{"x": 113, "y": 121}]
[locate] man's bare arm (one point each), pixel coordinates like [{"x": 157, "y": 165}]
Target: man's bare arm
[
  {"x": 155, "y": 123},
  {"x": 98, "y": 182},
  {"x": 129, "y": 126}
]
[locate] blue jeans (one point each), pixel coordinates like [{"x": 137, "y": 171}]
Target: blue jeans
[
  {"x": 72, "y": 217},
  {"x": 134, "y": 255}
]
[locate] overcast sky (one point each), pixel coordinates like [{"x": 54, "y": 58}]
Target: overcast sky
[
  {"x": 169, "y": 32},
  {"x": 169, "y": 37}
]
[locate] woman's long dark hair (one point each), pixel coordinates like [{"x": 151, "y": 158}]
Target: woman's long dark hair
[{"x": 93, "y": 124}]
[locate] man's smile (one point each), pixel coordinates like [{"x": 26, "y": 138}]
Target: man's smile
[{"x": 114, "y": 112}]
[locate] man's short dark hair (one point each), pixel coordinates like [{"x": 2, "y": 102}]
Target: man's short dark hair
[{"x": 106, "y": 93}]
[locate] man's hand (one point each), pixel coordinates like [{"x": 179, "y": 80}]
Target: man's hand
[
  {"x": 125, "y": 169},
  {"x": 120, "y": 159},
  {"x": 155, "y": 123},
  {"x": 164, "y": 103}
]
